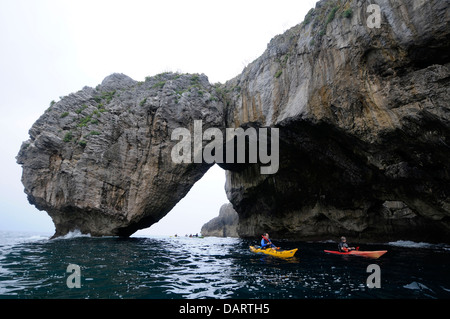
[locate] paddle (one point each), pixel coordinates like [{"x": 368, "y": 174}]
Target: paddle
[{"x": 269, "y": 241}]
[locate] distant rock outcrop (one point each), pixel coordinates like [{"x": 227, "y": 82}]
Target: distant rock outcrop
[
  {"x": 363, "y": 115},
  {"x": 224, "y": 225}
]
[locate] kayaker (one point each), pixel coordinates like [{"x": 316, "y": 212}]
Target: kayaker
[
  {"x": 343, "y": 246},
  {"x": 265, "y": 242}
]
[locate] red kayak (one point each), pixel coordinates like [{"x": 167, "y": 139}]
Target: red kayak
[{"x": 369, "y": 254}]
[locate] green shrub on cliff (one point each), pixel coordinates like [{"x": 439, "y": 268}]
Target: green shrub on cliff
[
  {"x": 331, "y": 15},
  {"x": 82, "y": 143},
  {"x": 278, "y": 74},
  {"x": 308, "y": 16},
  {"x": 347, "y": 13},
  {"x": 68, "y": 137},
  {"x": 159, "y": 85},
  {"x": 85, "y": 121}
]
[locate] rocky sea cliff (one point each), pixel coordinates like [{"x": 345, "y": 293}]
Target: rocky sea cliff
[
  {"x": 360, "y": 102},
  {"x": 224, "y": 225}
]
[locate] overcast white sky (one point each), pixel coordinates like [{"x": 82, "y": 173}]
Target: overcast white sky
[{"x": 49, "y": 49}]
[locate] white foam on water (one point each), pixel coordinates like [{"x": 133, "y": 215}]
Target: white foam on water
[
  {"x": 74, "y": 234},
  {"x": 412, "y": 244},
  {"x": 416, "y": 286},
  {"x": 9, "y": 239}
]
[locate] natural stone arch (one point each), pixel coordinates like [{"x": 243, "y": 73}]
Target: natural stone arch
[
  {"x": 99, "y": 160},
  {"x": 364, "y": 133}
]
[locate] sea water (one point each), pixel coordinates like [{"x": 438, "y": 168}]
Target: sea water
[{"x": 34, "y": 266}]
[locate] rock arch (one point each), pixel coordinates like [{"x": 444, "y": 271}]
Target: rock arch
[
  {"x": 100, "y": 161},
  {"x": 363, "y": 117}
]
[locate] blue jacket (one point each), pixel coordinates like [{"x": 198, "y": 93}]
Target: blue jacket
[{"x": 265, "y": 244}]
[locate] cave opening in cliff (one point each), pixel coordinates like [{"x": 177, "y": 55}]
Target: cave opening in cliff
[{"x": 201, "y": 204}]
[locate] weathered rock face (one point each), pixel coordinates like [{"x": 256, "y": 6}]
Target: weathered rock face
[
  {"x": 224, "y": 225},
  {"x": 363, "y": 118},
  {"x": 100, "y": 161},
  {"x": 364, "y": 122}
]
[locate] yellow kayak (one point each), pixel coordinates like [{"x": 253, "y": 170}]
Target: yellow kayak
[{"x": 274, "y": 252}]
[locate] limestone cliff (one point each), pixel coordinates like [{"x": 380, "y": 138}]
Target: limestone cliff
[
  {"x": 363, "y": 115},
  {"x": 224, "y": 225},
  {"x": 363, "y": 118},
  {"x": 100, "y": 161}
]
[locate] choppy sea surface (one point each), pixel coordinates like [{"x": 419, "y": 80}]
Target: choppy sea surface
[{"x": 33, "y": 266}]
